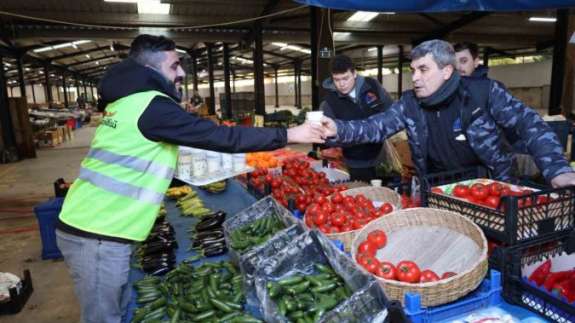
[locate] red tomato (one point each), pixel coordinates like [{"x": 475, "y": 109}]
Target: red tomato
[
  {"x": 355, "y": 224},
  {"x": 377, "y": 237},
  {"x": 269, "y": 178},
  {"x": 334, "y": 229},
  {"x": 327, "y": 208},
  {"x": 386, "y": 270},
  {"x": 321, "y": 200},
  {"x": 543, "y": 199},
  {"x": 461, "y": 190},
  {"x": 301, "y": 206},
  {"x": 505, "y": 191},
  {"x": 407, "y": 271},
  {"x": 276, "y": 183},
  {"x": 337, "y": 198},
  {"x": 320, "y": 218},
  {"x": 448, "y": 274},
  {"x": 337, "y": 219},
  {"x": 372, "y": 265},
  {"x": 346, "y": 228},
  {"x": 437, "y": 190},
  {"x": 492, "y": 201},
  {"x": 479, "y": 192},
  {"x": 495, "y": 189},
  {"x": 361, "y": 259},
  {"x": 348, "y": 200},
  {"x": 367, "y": 247},
  {"x": 386, "y": 208},
  {"x": 428, "y": 276}
]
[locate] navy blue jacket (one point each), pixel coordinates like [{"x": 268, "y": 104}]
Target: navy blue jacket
[
  {"x": 483, "y": 132},
  {"x": 370, "y": 98},
  {"x": 164, "y": 120}
]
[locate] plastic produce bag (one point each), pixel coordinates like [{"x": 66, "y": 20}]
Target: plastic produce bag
[
  {"x": 263, "y": 208},
  {"x": 368, "y": 302}
]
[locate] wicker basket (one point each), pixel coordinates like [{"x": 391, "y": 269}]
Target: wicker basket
[
  {"x": 380, "y": 194},
  {"x": 445, "y": 290}
]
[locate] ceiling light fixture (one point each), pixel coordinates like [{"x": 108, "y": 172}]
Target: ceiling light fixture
[
  {"x": 181, "y": 51},
  {"x": 543, "y": 19},
  {"x": 364, "y": 16},
  {"x": 88, "y": 56},
  {"x": 153, "y": 6},
  {"x": 70, "y": 44}
]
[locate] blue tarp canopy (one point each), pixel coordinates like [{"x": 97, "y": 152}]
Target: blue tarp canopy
[{"x": 440, "y": 5}]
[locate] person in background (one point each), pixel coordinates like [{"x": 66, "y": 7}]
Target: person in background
[
  {"x": 454, "y": 122},
  {"x": 353, "y": 97},
  {"x": 117, "y": 195},
  {"x": 467, "y": 60}
]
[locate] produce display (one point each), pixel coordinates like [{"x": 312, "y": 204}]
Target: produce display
[
  {"x": 191, "y": 205},
  {"x": 560, "y": 284},
  {"x": 305, "y": 298},
  {"x": 261, "y": 160},
  {"x": 405, "y": 271},
  {"x": 210, "y": 292},
  {"x": 155, "y": 256},
  {"x": 175, "y": 193},
  {"x": 208, "y": 235},
  {"x": 257, "y": 232},
  {"x": 298, "y": 182},
  {"x": 343, "y": 213}
]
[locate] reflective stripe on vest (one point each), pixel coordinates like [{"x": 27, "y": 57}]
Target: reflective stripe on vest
[
  {"x": 135, "y": 163},
  {"x": 112, "y": 185}
]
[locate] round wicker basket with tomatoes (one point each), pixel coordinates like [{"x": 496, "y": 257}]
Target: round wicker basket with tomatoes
[
  {"x": 343, "y": 214},
  {"x": 437, "y": 253}
]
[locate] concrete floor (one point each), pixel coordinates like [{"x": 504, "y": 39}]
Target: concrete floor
[{"x": 22, "y": 186}]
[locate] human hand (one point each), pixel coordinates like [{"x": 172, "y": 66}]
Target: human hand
[
  {"x": 305, "y": 134},
  {"x": 565, "y": 179},
  {"x": 329, "y": 127}
]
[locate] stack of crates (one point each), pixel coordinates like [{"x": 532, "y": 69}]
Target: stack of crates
[{"x": 524, "y": 229}]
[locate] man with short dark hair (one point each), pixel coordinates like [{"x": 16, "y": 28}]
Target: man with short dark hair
[
  {"x": 353, "y": 97},
  {"x": 451, "y": 125},
  {"x": 467, "y": 60},
  {"x": 123, "y": 179}
]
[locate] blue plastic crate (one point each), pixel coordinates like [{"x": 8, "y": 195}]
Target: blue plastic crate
[
  {"x": 47, "y": 214},
  {"x": 488, "y": 294}
]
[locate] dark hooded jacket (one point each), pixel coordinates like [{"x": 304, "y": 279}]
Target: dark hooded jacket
[
  {"x": 483, "y": 132},
  {"x": 164, "y": 120},
  {"x": 370, "y": 99}
]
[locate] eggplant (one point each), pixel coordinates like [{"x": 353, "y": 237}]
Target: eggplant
[
  {"x": 216, "y": 234},
  {"x": 216, "y": 250}
]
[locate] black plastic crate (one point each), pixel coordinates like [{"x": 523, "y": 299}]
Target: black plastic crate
[
  {"x": 18, "y": 296},
  {"x": 510, "y": 223},
  {"x": 518, "y": 290}
]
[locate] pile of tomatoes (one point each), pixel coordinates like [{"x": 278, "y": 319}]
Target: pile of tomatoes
[
  {"x": 405, "y": 271},
  {"x": 343, "y": 213},
  {"x": 490, "y": 195},
  {"x": 298, "y": 182}
]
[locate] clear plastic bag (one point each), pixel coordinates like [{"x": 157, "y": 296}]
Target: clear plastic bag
[
  {"x": 261, "y": 209},
  {"x": 367, "y": 303}
]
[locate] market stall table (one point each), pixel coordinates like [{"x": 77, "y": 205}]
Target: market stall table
[{"x": 234, "y": 199}]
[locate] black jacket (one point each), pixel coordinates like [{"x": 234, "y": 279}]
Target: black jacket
[
  {"x": 370, "y": 99},
  {"x": 164, "y": 120}
]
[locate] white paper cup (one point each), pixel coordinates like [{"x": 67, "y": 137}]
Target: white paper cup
[
  {"x": 376, "y": 182},
  {"x": 214, "y": 160},
  {"x": 227, "y": 162},
  {"x": 314, "y": 117}
]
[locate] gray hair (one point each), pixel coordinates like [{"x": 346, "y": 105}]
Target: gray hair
[{"x": 441, "y": 52}]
